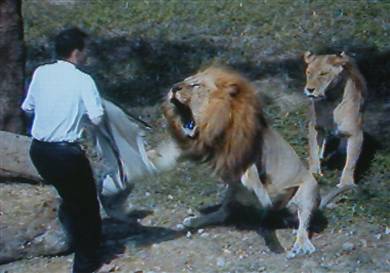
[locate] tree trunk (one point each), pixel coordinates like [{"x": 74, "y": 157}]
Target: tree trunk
[{"x": 12, "y": 63}]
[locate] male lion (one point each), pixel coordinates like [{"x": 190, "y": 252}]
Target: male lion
[
  {"x": 337, "y": 91},
  {"x": 216, "y": 117}
]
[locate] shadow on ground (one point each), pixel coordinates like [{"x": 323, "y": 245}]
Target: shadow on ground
[{"x": 117, "y": 234}]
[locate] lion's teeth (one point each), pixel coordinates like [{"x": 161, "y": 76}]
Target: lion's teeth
[{"x": 189, "y": 132}]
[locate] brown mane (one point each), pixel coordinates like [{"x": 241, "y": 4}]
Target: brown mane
[{"x": 230, "y": 125}]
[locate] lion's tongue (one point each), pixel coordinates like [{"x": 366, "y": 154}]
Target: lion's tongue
[
  {"x": 189, "y": 125},
  {"x": 189, "y": 128}
]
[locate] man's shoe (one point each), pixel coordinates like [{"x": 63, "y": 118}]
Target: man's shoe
[{"x": 86, "y": 263}]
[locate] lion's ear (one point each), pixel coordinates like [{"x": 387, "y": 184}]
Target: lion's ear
[
  {"x": 233, "y": 89},
  {"x": 308, "y": 57}
]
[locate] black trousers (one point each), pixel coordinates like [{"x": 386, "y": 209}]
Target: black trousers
[{"x": 65, "y": 166}]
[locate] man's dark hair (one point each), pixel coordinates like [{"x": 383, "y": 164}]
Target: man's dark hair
[{"x": 68, "y": 40}]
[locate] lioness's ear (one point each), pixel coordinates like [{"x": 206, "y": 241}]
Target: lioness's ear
[
  {"x": 343, "y": 54},
  {"x": 340, "y": 59},
  {"x": 232, "y": 89},
  {"x": 308, "y": 57}
]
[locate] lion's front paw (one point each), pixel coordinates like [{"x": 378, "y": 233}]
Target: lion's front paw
[{"x": 299, "y": 249}]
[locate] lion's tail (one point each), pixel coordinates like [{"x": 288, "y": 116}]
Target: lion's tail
[{"x": 333, "y": 194}]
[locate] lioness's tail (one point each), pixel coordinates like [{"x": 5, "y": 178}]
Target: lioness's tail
[{"x": 333, "y": 194}]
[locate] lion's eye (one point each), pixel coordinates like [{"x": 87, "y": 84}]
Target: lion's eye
[
  {"x": 195, "y": 85},
  {"x": 324, "y": 73}
]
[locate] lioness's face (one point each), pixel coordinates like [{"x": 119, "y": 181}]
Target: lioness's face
[
  {"x": 322, "y": 73},
  {"x": 189, "y": 97}
]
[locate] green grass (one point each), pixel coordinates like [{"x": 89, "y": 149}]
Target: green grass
[
  {"x": 143, "y": 46},
  {"x": 289, "y": 25}
]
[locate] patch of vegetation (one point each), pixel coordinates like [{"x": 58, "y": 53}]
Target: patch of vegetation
[
  {"x": 288, "y": 24},
  {"x": 144, "y": 46}
]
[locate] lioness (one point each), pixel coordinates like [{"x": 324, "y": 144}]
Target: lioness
[
  {"x": 337, "y": 91},
  {"x": 216, "y": 117}
]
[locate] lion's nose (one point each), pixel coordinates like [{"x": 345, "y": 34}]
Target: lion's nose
[
  {"x": 176, "y": 87},
  {"x": 310, "y": 90}
]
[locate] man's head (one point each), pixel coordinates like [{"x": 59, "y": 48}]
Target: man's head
[{"x": 70, "y": 44}]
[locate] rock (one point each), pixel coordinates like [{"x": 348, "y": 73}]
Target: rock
[
  {"x": 387, "y": 231},
  {"x": 180, "y": 227},
  {"x": 348, "y": 246},
  {"x": 309, "y": 266},
  {"x": 331, "y": 206},
  {"x": 29, "y": 226},
  {"x": 220, "y": 262},
  {"x": 15, "y": 159}
]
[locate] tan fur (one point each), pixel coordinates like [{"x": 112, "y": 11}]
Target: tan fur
[
  {"x": 333, "y": 74},
  {"x": 231, "y": 134}
]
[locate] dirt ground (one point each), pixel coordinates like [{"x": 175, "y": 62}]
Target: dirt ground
[{"x": 157, "y": 246}]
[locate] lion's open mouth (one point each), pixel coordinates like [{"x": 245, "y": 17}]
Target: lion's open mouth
[{"x": 189, "y": 126}]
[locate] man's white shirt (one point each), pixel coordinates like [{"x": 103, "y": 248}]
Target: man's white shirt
[{"x": 60, "y": 95}]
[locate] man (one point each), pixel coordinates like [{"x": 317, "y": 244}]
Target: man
[{"x": 60, "y": 97}]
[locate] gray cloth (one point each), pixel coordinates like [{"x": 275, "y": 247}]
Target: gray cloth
[{"x": 116, "y": 151}]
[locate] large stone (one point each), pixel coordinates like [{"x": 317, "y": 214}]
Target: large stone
[
  {"x": 15, "y": 160},
  {"x": 28, "y": 222}
]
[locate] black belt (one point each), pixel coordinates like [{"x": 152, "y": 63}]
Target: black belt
[{"x": 55, "y": 143}]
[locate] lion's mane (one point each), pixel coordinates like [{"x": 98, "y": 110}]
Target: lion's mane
[{"x": 229, "y": 125}]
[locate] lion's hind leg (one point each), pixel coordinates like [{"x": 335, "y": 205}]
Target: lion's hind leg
[
  {"x": 306, "y": 200},
  {"x": 251, "y": 180},
  {"x": 213, "y": 218}
]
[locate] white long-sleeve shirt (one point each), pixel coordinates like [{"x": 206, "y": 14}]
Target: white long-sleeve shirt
[{"x": 60, "y": 95}]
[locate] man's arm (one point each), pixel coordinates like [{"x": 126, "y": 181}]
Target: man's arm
[
  {"x": 28, "y": 104},
  {"x": 92, "y": 102}
]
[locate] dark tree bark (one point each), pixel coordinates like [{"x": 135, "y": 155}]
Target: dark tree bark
[{"x": 12, "y": 61}]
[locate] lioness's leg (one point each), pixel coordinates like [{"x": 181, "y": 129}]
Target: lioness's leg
[
  {"x": 315, "y": 141},
  {"x": 251, "y": 180},
  {"x": 216, "y": 217},
  {"x": 354, "y": 146},
  {"x": 306, "y": 200}
]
